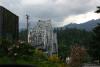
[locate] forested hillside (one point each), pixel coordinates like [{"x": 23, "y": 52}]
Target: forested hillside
[
  {"x": 69, "y": 37},
  {"x": 86, "y": 26}
]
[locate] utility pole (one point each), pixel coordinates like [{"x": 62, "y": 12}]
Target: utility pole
[{"x": 27, "y": 18}]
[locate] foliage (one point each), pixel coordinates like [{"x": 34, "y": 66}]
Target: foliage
[
  {"x": 98, "y": 11},
  {"x": 94, "y": 47},
  {"x": 77, "y": 56},
  {"x": 5, "y": 45},
  {"x": 23, "y": 35},
  {"x": 68, "y": 37},
  {"x": 54, "y": 58},
  {"x": 24, "y": 53},
  {"x": 40, "y": 54},
  {"x": 5, "y": 60}
]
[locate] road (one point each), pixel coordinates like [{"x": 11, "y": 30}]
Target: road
[{"x": 91, "y": 65}]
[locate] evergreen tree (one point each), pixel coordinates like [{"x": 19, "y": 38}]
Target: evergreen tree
[
  {"x": 95, "y": 45},
  {"x": 23, "y": 35},
  {"x": 68, "y": 37}
]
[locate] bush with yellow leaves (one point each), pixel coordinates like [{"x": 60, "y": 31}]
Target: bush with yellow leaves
[
  {"x": 54, "y": 58},
  {"x": 40, "y": 53}
]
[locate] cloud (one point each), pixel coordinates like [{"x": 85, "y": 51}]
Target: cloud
[
  {"x": 57, "y": 10},
  {"x": 33, "y": 2},
  {"x": 0, "y": 2},
  {"x": 81, "y": 18}
]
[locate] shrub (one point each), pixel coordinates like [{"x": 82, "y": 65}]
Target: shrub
[
  {"x": 54, "y": 58},
  {"x": 78, "y": 55},
  {"x": 40, "y": 54}
]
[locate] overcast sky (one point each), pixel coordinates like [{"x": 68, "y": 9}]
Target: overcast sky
[{"x": 61, "y": 12}]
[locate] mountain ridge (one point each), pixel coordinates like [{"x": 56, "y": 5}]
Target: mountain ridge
[{"x": 88, "y": 26}]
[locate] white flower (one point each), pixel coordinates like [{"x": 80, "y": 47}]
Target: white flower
[{"x": 15, "y": 54}]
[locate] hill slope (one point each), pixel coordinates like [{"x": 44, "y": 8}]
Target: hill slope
[{"x": 87, "y": 25}]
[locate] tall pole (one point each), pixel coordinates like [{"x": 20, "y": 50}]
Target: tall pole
[{"x": 27, "y": 18}]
